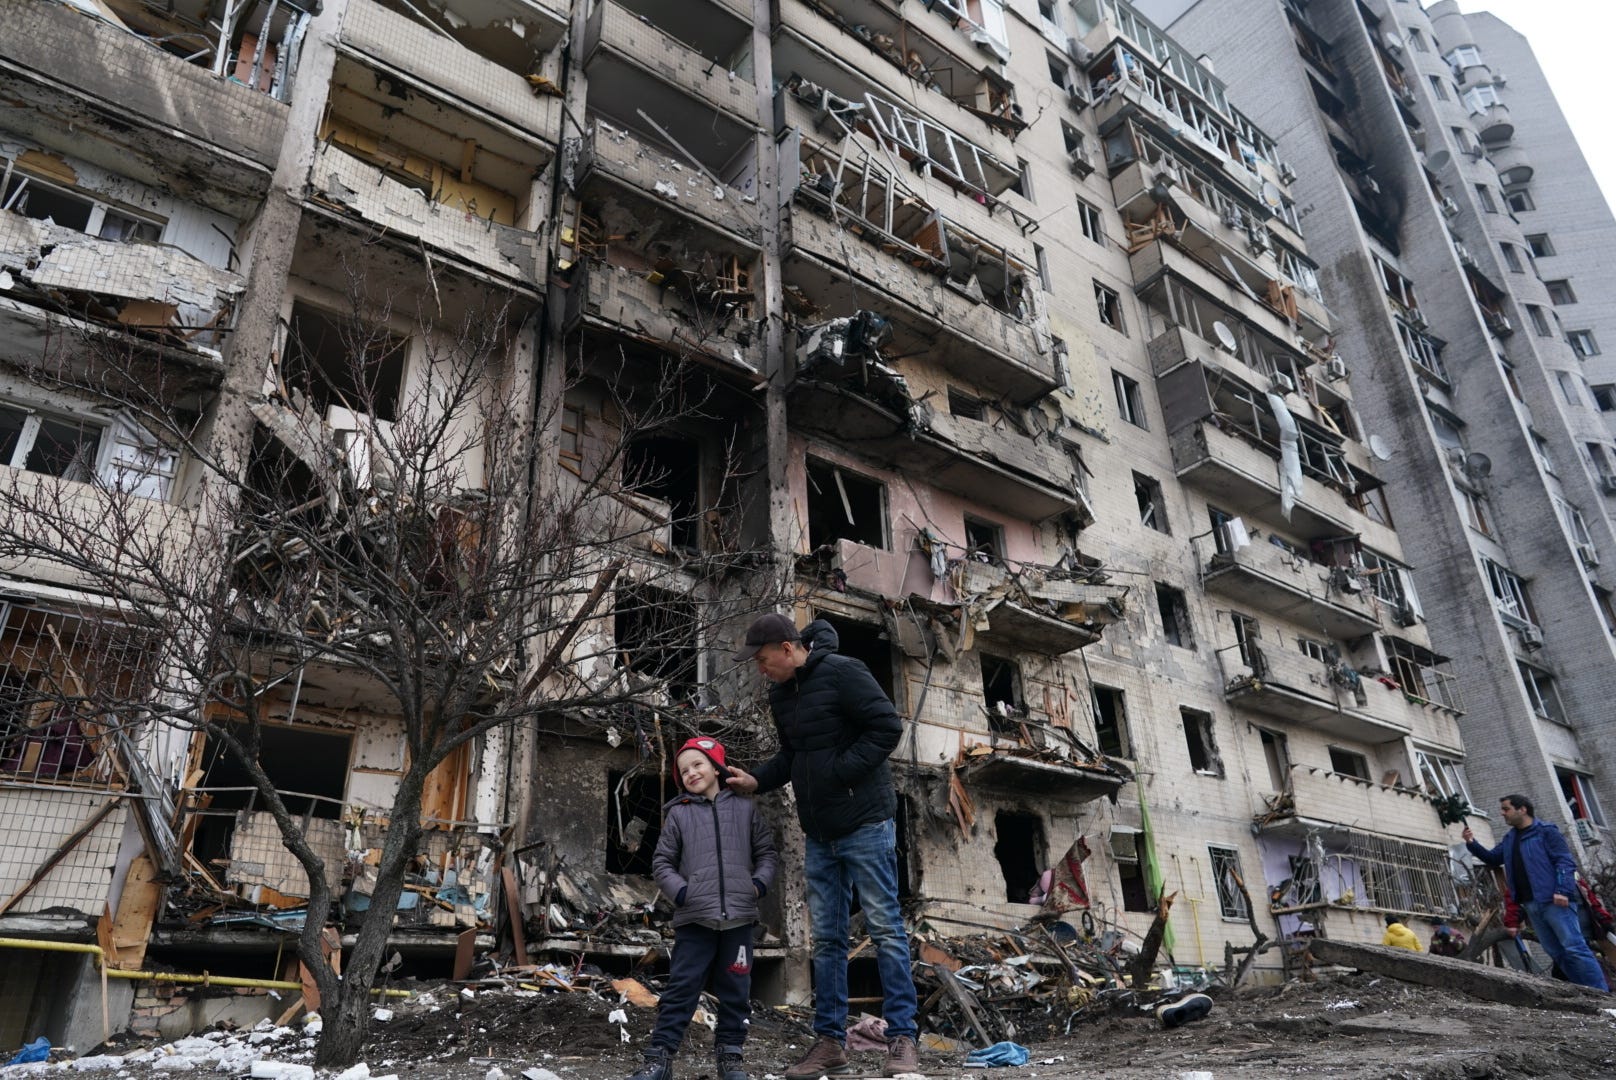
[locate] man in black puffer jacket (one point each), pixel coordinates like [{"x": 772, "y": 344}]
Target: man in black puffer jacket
[{"x": 836, "y": 730}]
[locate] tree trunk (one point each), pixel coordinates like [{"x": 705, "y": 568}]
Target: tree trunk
[{"x": 346, "y": 1019}]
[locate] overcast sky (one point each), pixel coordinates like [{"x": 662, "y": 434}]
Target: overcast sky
[{"x": 1572, "y": 41}]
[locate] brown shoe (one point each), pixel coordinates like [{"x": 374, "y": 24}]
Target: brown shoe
[
  {"x": 825, "y": 1057},
  {"x": 902, "y": 1057}
]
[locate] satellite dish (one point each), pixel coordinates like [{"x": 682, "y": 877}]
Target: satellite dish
[
  {"x": 1478, "y": 465},
  {"x": 1226, "y": 339},
  {"x": 1378, "y": 447},
  {"x": 1271, "y": 194},
  {"x": 1438, "y": 161}
]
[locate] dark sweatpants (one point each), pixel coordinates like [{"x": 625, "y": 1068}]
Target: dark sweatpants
[{"x": 701, "y": 954}]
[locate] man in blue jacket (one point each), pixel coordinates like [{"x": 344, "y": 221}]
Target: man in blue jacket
[
  {"x": 836, "y": 729},
  {"x": 1542, "y": 878}
]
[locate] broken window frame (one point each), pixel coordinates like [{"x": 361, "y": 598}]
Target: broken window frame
[
  {"x": 1173, "y": 606},
  {"x": 1583, "y": 343},
  {"x": 116, "y": 453},
  {"x": 1540, "y": 245},
  {"x": 1577, "y": 793},
  {"x": 1510, "y": 595},
  {"x": 1402, "y": 877},
  {"x": 1200, "y": 739},
  {"x": 839, "y": 475},
  {"x": 1093, "y": 224},
  {"x": 1037, "y": 851},
  {"x": 1152, "y": 504},
  {"x": 1276, "y": 751},
  {"x": 1348, "y": 762},
  {"x": 1519, "y": 201},
  {"x": 1444, "y": 777},
  {"x": 984, "y": 540},
  {"x": 1542, "y": 693},
  {"x": 1131, "y": 882},
  {"x": 1002, "y": 721},
  {"x": 1130, "y": 400},
  {"x": 1423, "y": 674},
  {"x": 146, "y": 227},
  {"x": 1108, "y": 305},
  {"x": 1110, "y": 704},
  {"x": 1422, "y": 350},
  {"x": 1391, "y": 581},
  {"x": 1226, "y": 877}
]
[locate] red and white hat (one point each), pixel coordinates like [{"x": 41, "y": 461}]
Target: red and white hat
[{"x": 711, "y": 747}]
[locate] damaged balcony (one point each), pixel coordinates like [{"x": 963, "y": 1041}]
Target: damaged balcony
[
  {"x": 139, "y": 111},
  {"x": 1229, "y": 239},
  {"x": 970, "y": 143},
  {"x": 1227, "y": 441},
  {"x": 1278, "y": 582},
  {"x": 1033, "y": 609},
  {"x": 1199, "y": 261},
  {"x": 515, "y": 34},
  {"x": 846, "y": 393},
  {"x": 643, "y": 78},
  {"x": 611, "y": 164},
  {"x": 454, "y": 95},
  {"x": 1276, "y": 680},
  {"x": 950, "y": 69},
  {"x": 1335, "y": 805},
  {"x": 929, "y": 314},
  {"x": 348, "y": 185},
  {"x": 176, "y": 307},
  {"x": 1052, "y": 770}
]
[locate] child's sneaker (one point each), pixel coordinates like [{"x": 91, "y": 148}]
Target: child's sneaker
[
  {"x": 731, "y": 1066},
  {"x": 658, "y": 1066},
  {"x": 1185, "y": 1010}
]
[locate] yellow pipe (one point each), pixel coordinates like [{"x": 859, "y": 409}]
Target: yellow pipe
[{"x": 156, "y": 976}]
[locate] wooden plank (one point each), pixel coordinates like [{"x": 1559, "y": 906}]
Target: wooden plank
[
  {"x": 465, "y": 941},
  {"x": 137, "y": 909},
  {"x": 962, "y": 998},
  {"x": 513, "y": 909},
  {"x": 1489, "y": 983}
]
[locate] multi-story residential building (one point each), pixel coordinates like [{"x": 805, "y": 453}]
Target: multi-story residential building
[
  {"x": 1421, "y": 165},
  {"x": 1011, "y": 350}
]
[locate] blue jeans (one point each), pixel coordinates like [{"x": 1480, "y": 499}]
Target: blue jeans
[
  {"x": 865, "y": 859},
  {"x": 1560, "y": 934}
]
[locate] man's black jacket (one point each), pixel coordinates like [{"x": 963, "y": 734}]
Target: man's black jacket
[{"x": 836, "y": 729}]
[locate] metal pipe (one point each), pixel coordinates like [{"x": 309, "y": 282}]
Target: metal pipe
[{"x": 156, "y": 976}]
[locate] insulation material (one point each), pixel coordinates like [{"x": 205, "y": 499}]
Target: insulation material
[
  {"x": 52, "y": 257},
  {"x": 1290, "y": 458},
  {"x": 259, "y": 857}
]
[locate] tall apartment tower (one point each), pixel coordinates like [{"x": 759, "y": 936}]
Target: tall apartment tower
[
  {"x": 1432, "y": 182},
  {"x": 1010, "y": 350}
]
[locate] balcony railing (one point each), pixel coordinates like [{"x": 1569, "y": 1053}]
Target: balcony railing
[
  {"x": 1326, "y": 802},
  {"x": 1280, "y": 583},
  {"x": 1271, "y": 678}
]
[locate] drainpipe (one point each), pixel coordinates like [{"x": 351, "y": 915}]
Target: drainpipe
[{"x": 155, "y": 976}]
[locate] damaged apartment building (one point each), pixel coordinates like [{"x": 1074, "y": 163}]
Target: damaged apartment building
[{"x": 999, "y": 334}]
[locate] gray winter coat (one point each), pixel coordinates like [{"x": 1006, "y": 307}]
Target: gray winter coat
[{"x": 718, "y": 853}]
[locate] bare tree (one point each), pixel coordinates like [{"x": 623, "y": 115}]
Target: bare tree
[{"x": 400, "y": 532}]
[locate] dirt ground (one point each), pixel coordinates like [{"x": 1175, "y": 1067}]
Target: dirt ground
[{"x": 1346, "y": 1026}]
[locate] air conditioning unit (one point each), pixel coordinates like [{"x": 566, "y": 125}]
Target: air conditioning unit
[
  {"x": 1407, "y": 94},
  {"x": 1257, "y": 239},
  {"x": 1403, "y": 615},
  {"x": 1287, "y": 173},
  {"x": 1076, "y": 98},
  {"x": 1335, "y": 368},
  {"x": 1449, "y": 207},
  {"x": 1281, "y": 383},
  {"x": 1608, "y": 483},
  {"x": 1499, "y": 79},
  {"x": 1417, "y": 317},
  {"x": 1464, "y": 255},
  {"x": 1531, "y": 637},
  {"x": 1587, "y": 831},
  {"x": 1079, "y": 161},
  {"x": 1588, "y": 554}
]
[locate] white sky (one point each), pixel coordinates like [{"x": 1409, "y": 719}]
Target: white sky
[{"x": 1571, "y": 40}]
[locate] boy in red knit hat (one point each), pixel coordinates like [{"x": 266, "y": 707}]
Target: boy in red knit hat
[{"x": 715, "y": 860}]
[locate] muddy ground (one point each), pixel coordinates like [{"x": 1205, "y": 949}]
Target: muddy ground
[{"x": 1346, "y": 1026}]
